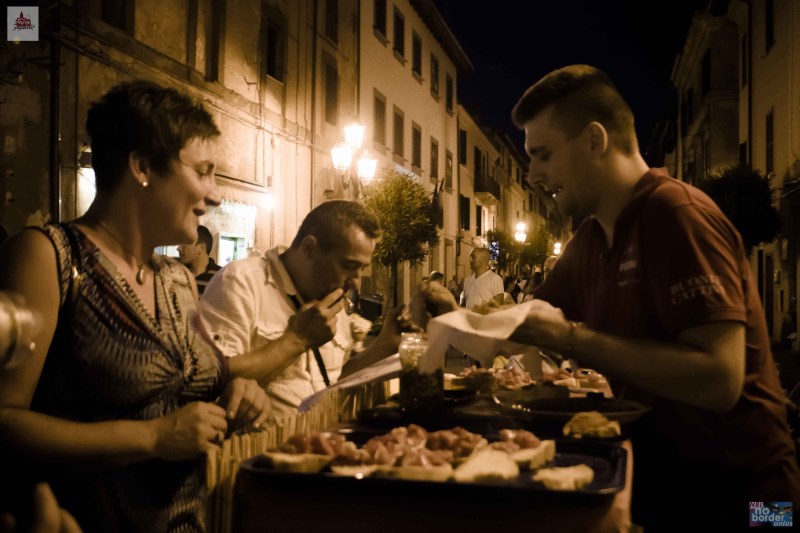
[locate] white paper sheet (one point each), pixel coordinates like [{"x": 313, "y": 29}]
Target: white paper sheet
[{"x": 386, "y": 368}]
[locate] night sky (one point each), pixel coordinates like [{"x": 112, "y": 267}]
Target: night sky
[{"x": 514, "y": 42}]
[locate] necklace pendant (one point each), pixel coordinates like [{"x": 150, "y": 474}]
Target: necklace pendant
[{"x": 140, "y": 275}]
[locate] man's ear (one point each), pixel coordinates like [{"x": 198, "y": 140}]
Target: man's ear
[
  {"x": 597, "y": 138},
  {"x": 139, "y": 167},
  {"x": 309, "y": 246}
]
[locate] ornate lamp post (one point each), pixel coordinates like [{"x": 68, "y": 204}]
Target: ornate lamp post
[
  {"x": 520, "y": 236},
  {"x": 342, "y": 155}
]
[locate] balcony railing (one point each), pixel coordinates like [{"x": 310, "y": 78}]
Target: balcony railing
[{"x": 487, "y": 190}]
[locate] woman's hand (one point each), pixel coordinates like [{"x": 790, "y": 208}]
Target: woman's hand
[
  {"x": 189, "y": 431},
  {"x": 245, "y": 403}
]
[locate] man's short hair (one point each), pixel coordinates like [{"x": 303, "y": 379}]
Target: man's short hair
[
  {"x": 580, "y": 94},
  {"x": 482, "y": 252},
  {"x": 204, "y": 237},
  {"x": 141, "y": 116},
  {"x": 435, "y": 275},
  {"x": 329, "y": 222}
]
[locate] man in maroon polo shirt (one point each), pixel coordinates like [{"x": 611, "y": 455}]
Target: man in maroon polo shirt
[{"x": 654, "y": 290}]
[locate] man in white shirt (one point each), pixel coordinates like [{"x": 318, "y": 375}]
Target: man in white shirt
[
  {"x": 483, "y": 284},
  {"x": 283, "y": 314}
]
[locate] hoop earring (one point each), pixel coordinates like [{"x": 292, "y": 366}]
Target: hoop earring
[{"x": 145, "y": 184}]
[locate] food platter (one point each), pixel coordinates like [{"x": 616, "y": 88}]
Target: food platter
[{"x": 608, "y": 461}]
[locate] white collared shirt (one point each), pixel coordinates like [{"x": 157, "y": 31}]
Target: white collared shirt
[
  {"x": 246, "y": 307},
  {"x": 482, "y": 289}
]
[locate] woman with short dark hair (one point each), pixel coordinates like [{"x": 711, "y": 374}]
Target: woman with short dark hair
[{"x": 117, "y": 396}]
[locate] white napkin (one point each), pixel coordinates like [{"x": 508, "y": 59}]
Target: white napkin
[{"x": 482, "y": 337}]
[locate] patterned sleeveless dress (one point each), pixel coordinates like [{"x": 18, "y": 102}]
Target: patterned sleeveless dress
[{"x": 116, "y": 361}]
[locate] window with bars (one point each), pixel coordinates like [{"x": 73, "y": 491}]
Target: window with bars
[
  {"x": 770, "y": 141},
  {"x": 434, "y": 75},
  {"x": 275, "y": 52},
  {"x": 379, "y": 16},
  {"x": 416, "y": 146},
  {"x": 398, "y": 132},
  {"x": 448, "y": 170},
  {"x": 332, "y": 20},
  {"x": 434, "y": 158},
  {"x": 331, "y": 93},
  {"x": 399, "y": 33},
  {"x": 464, "y": 209},
  {"x": 416, "y": 54},
  {"x": 448, "y": 93},
  {"x": 744, "y": 60},
  {"x": 379, "y": 118},
  {"x": 769, "y": 25},
  {"x": 705, "y": 74}
]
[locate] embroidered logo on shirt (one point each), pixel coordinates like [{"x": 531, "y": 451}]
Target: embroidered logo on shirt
[
  {"x": 628, "y": 268},
  {"x": 695, "y": 286}
]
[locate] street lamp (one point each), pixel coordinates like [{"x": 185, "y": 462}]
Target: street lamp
[
  {"x": 342, "y": 155},
  {"x": 520, "y": 236},
  {"x": 557, "y": 248}
]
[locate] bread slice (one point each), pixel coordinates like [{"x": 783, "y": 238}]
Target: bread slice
[
  {"x": 487, "y": 465},
  {"x": 593, "y": 424},
  {"x": 566, "y": 477},
  {"x": 567, "y": 382},
  {"x": 416, "y": 473},
  {"x": 298, "y": 462},
  {"x": 531, "y": 458},
  {"x": 359, "y": 471}
]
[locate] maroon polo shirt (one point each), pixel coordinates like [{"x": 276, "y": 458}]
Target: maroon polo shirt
[{"x": 677, "y": 262}]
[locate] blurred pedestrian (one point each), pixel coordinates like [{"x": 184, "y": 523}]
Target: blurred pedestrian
[
  {"x": 436, "y": 276},
  {"x": 196, "y": 257},
  {"x": 483, "y": 284}
]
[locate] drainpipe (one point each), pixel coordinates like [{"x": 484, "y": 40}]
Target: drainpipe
[
  {"x": 749, "y": 81},
  {"x": 314, "y": 101},
  {"x": 358, "y": 60},
  {"x": 55, "y": 121}
]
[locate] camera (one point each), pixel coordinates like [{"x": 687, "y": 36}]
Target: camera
[{"x": 18, "y": 326}]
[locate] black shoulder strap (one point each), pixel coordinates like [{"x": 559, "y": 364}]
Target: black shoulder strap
[
  {"x": 317, "y": 355},
  {"x": 75, "y": 275},
  {"x": 67, "y": 310}
]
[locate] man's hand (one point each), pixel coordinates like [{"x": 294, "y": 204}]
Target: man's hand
[
  {"x": 431, "y": 299},
  {"x": 315, "y": 322},
  {"x": 545, "y": 326}
]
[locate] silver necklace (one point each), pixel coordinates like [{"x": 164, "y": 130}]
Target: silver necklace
[{"x": 140, "y": 272}]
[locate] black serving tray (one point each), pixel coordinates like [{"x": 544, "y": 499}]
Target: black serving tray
[
  {"x": 607, "y": 460},
  {"x": 269, "y": 500},
  {"x": 560, "y": 410}
]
